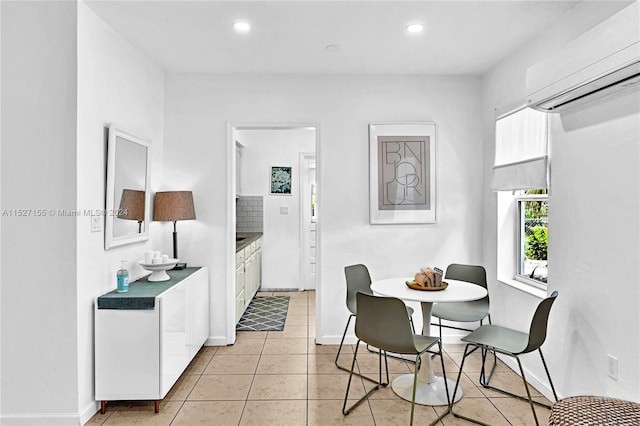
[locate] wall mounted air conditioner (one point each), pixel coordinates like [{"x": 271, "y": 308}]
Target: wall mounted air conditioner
[{"x": 601, "y": 62}]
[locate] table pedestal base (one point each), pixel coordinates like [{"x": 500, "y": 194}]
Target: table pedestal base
[{"x": 426, "y": 393}]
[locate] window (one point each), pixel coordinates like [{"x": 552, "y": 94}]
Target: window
[
  {"x": 533, "y": 236},
  {"x": 520, "y": 176}
]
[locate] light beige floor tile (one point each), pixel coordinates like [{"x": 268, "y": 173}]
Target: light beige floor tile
[
  {"x": 99, "y": 418},
  {"x": 398, "y": 412},
  {"x": 311, "y": 331},
  {"x": 143, "y": 414},
  {"x": 264, "y": 293},
  {"x": 325, "y": 363},
  {"x": 285, "y": 346},
  {"x": 284, "y": 386},
  {"x": 181, "y": 389},
  {"x": 329, "y": 412},
  {"x": 292, "y": 294},
  {"x": 244, "y": 334},
  {"x": 311, "y": 319},
  {"x": 477, "y": 408},
  {"x": 201, "y": 360},
  {"x": 313, "y": 348},
  {"x": 214, "y": 387},
  {"x": 519, "y": 412},
  {"x": 298, "y": 310},
  {"x": 334, "y": 386},
  {"x": 232, "y": 364},
  {"x": 290, "y": 331},
  {"x": 209, "y": 413},
  {"x": 274, "y": 413},
  {"x": 243, "y": 346},
  {"x": 282, "y": 364},
  {"x": 297, "y": 320}
]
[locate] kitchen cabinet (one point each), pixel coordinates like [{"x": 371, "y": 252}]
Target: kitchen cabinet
[
  {"x": 145, "y": 338},
  {"x": 248, "y": 274}
]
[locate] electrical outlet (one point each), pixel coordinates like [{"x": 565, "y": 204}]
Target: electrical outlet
[
  {"x": 284, "y": 211},
  {"x": 612, "y": 367},
  {"x": 96, "y": 223}
]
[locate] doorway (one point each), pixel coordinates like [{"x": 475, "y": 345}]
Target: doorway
[
  {"x": 290, "y": 224},
  {"x": 308, "y": 222}
]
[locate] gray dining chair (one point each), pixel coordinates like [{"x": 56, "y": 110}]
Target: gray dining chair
[
  {"x": 382, "y": 322},
  {"x": 512, "y": 343},
  {"x": 471, "y": 311},
  {"x": 359, "y": 280}
]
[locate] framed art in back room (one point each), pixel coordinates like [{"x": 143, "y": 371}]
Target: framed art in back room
[
  {"x": 402, "y": 173},
  {"x": 280, "y": 180}
]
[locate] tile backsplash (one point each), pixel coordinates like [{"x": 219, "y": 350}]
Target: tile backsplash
[{"x": 249, "y": 213}]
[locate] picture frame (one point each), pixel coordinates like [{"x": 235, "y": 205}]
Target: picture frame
[
  {"x": 402, "y": 173},
  {"x": 280, "y": 180}
]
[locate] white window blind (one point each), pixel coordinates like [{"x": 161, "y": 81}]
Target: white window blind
[{"x": 521, "y": 160}]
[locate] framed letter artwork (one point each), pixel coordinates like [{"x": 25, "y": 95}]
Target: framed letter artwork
[{"x": 402, "y": 173}]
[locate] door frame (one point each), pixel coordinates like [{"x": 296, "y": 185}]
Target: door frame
[
  {"x": 230, "y": 258},
  {"x": 305, "y": 165}
]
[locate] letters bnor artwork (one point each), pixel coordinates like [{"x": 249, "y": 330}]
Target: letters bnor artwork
[{"x": 402, "y": 173}]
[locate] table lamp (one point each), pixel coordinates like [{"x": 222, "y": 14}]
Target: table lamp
[
  {"x": 132, "y": 206},
  {"x": 174, "y": 206}
]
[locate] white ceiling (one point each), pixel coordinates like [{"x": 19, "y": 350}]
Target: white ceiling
[{"x": 460, "y": 37}]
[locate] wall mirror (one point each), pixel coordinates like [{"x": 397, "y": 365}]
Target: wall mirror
[{"x": 128, "y": 199}]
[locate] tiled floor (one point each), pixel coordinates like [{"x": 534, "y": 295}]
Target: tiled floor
[{"x": 284, "y": 378}]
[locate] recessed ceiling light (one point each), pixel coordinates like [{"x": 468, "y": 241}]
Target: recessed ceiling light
[
  {"x": 241, "y": 27},
  {"x": 414, "y": 28}
]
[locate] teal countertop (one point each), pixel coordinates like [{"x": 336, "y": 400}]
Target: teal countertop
[{"x": 142, "y": 293}]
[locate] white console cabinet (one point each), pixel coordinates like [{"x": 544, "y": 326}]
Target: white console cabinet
[{"x": 144, "y": 339}]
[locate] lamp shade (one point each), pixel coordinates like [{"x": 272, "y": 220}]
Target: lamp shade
[
  {"x": 131, "y": 205},
  {"x": 173, "y": 205}
]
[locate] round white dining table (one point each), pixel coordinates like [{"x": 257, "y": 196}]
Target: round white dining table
[{"x": 430, "y": 389}]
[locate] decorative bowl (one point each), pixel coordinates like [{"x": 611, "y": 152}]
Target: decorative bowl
[{"x": 159, "y": 270}]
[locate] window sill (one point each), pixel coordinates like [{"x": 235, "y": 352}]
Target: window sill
[{"x": 536, "y": 292}]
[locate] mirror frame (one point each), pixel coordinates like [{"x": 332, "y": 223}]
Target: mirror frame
[{"x": 110, "y": 240}]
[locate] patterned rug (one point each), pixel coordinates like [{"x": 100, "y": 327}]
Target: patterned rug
[{"x": 266, "y": 313}]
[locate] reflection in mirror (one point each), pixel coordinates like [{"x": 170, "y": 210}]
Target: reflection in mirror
[{"x": 127, "y": 211}]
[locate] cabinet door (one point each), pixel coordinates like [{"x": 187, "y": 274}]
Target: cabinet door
[
  {"x": 248, "y": 280},
  {"x": 240, "y": 292},
  {"x": 175, "y": 352},
  {"x": 127, "y": 344},
  {"x": 198, "y": 310}
]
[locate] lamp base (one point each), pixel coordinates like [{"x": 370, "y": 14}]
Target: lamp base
[{"x": 179, "y": 266}]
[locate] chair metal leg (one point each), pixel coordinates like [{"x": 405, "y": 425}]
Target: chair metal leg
[
  {"x": 513, "y": 395},
  {"x": 526, "y": 386},
  {"x": 446, "y": 388},
  {"x": 378, "y": 385},
  {"x": 340, "y": 349},
  {"x": 342, "y": 341},
  {"x": 467, "y": 352},
  {"x": 553, "y": 389}
]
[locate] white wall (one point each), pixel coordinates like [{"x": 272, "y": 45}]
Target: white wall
[
  {"x": 281, "y": 239},
  {"x": 116, "y": 84},
  {"x": 593, "y": 315},
  {"x": 198, "y": 108},
  {"x": 38, "y": 267}
]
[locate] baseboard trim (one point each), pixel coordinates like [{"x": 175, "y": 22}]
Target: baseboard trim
[
  {"x": 89, "y": 412},
  {"x": 49, "y": 419},
  {"x": 216, "y": 341}
]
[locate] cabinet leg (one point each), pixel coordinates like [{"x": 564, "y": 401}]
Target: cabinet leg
[
  {"x": 103, "y": 407},
  {"x": 157, "y": 405}
]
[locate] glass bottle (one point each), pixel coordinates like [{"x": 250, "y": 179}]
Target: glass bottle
[{"x": 123, "y": 278}]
